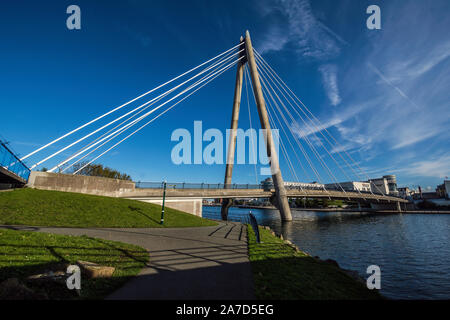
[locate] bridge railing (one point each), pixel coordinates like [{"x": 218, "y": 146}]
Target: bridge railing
[
  {"x": 183, "y": 185},
  {"x": 10, "y": 162},
  {"x": 264, "y": 186}
]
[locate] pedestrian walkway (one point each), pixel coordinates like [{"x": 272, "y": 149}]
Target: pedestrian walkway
[{"x": 185, "y": 263}]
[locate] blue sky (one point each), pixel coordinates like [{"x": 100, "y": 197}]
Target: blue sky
[{"x": 384, "y": 94}]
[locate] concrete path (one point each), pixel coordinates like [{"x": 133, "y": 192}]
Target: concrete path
[{"x": 185, "y": 263}]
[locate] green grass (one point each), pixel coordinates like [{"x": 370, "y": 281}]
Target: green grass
[
  {"x": 279, "y": 272},
  {"x": 25, "y": 253},
  {"x": 65, "y": 209}
]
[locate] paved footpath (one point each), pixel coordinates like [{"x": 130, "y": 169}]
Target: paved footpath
[{"x": 185, "y": 263}]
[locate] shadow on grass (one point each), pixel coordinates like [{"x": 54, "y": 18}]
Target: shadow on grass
[
  {"x": 305, "y": 278},
  {"x": 21, "y": 261},
  {"x": 282, "y": 273},
  {"x": 91, "y": 289},
  {"x": 139, "y": 210},
  {"x": 211, "y": 276}
]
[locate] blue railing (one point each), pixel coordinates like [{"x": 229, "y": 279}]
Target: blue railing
[
  {"x": 182, "y": 185},
  {"x": 267, "y": 186},
  {"x": 10, "y": 162}
]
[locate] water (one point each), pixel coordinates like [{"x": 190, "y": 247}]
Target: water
[{"x": 412, "y": 250}]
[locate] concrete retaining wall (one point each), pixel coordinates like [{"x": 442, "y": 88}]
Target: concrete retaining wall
[
  {"x": 192, "y": 206},
  {"x": 104, "y": 187},
  {"x": 80, "y": 184}
]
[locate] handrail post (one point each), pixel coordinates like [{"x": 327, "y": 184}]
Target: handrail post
[{"x": 163, "y": 202}]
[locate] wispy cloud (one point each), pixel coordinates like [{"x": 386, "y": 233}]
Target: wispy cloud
[
  {"x": 391, "y": 89},
  {"x": 274, "y": 40},
  {"x": 436, "y": 168},
  {"x": 418, "y": 63},
  {"x": 408, "y": 91},
  {"x": 309, "y": 36},
  {"x": 387, "y": 81},
  {"x": 329, "y": 79}
]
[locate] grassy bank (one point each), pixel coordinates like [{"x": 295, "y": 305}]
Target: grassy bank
[
  {"x": 66, "y": 209},
  {"x": 279, "y": 272},
  {"x": 26, "y": 253}
]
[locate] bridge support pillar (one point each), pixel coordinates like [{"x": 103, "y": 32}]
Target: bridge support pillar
[
  {"x": 399, "y": 208},
  {"x": 274, "y": 201},
  {"x": 282, "y": 200},
  {"x": 226, "y": 203},
  {"x": 359, "y": 206}
]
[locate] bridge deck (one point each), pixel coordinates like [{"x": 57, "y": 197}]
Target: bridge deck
[
  {"x": 8, "y": 177},
  {"x": 258, "y": 193}
]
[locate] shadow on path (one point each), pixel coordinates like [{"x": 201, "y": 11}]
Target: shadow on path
[{"x": 185, "y": 263}]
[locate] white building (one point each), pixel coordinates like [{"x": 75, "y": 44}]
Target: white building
[
  {"x": 385, "y": 185},
  {"x": 350, "y": 186}
]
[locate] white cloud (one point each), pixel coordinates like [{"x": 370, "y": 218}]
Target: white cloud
[{"x": 329, "y": 79}]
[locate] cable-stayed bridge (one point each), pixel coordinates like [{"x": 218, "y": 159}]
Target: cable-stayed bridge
[{"x": 317, "y": 155}]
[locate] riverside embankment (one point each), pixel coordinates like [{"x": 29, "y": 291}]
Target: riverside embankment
[{"x": 412, "y": 250}]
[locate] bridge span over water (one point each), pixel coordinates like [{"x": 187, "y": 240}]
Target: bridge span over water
[
  {"x": 210, "y": 193},
  {"x": 191, "y": 200},
  {"x": 317, "y": 152},
  {"x": 189, "y": 197}
]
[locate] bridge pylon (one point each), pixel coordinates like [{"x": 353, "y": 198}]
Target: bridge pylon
[
  {"x": 226, "y": 203},
  {"x": 280, "y": 191}
]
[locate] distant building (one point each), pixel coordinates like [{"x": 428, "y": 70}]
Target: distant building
[
  {"x": 385, "y": 185},
  {"x": 447, "y": 188},
  {"x": 443, "y": 190},
  {"x": 267, "y": 184},
  {"x": 440, "y": 190},
  {"x": 350, "y": 186},
  {"x": 405, "y": 192}
]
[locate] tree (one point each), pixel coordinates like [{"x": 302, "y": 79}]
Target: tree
[{"x": 98, "y": 170}]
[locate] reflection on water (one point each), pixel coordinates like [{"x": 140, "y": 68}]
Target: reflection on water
[{"x": 412, "y": 250}]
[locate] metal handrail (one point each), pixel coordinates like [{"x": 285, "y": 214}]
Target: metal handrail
[{"x": 261, "y": 186}]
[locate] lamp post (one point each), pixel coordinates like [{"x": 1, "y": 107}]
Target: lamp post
[{"x": 163, "y": 202}]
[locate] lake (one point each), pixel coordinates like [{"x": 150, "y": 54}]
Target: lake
[{"x": 412, "y": 250}]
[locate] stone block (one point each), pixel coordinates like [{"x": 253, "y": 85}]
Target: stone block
[{"x": 93, "y": 270}]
